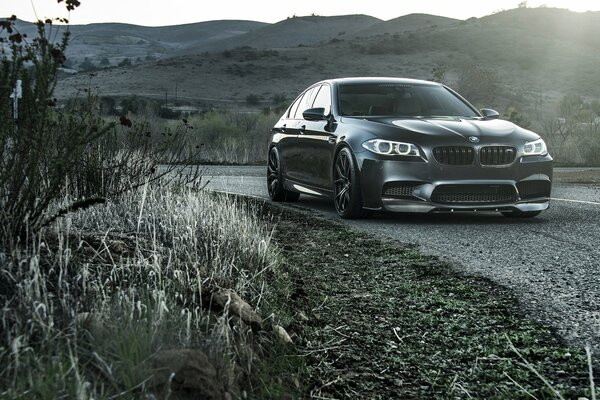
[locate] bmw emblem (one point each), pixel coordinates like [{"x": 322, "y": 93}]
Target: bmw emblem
[{"x": 474, "y": 139}]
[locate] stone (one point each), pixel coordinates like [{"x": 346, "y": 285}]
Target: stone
[
  {"x": 237, "y": 306},
  {"x": 302, "y": 317},
  {"x": 187, "y": 371},
  {"x": 282, "y": 334}
]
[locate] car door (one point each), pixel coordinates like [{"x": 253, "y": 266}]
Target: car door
[
  {"x": 286, "y": 136},
  {"x": 295, "y": 157},
  {"x": 317, "y": 143}
]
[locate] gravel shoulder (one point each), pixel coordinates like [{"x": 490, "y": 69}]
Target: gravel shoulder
[{"x": 378, "y": 319}]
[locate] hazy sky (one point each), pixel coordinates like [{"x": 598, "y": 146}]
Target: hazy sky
[{"x": 170, "y": 12}]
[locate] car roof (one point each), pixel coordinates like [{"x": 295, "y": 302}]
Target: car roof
[{"x": 359, "y": 80}]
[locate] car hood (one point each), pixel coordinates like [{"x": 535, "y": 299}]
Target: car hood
[{"x": 450, "y": 128}]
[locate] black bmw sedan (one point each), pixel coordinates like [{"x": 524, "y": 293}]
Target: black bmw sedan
[{"x": 408, "y": 146}]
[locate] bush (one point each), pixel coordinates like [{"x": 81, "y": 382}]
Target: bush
[
  {"x": 54, "y": 161},
  {"x": 253, "y": 100},
  {"x": 44, "y": 145},
  {"x": 87, "y": 65},
  {"x": 125, "y": 62}
]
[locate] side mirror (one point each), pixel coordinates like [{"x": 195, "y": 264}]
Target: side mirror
[
  {"x": 314, "y": 114},
  {"x": 488, "y": 113}
]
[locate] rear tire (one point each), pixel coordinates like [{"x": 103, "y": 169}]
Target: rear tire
[
  {"x": 521, "y": 214},
  {"x": 275, "y": 185},
  {"x": 346, "y": 186}
]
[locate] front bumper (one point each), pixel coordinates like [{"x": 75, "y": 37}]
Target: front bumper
[{"x": 426, "y": 179}]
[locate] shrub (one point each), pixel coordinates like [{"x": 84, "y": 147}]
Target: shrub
[
  {"x": 87, "y": 65},
  {"x": 253, "y": 100},
  {"x": 125, "y": 62},
  {"x": 44, "y": 145},
  {"x": 54, "y": 161}
]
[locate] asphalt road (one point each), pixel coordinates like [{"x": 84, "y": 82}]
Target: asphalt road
[{"x": 552, "y": 262}]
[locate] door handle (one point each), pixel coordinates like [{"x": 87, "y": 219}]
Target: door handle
[
  {"x": 303, "y": 129},
  {"x": 283, "y": 128},
  {"x": 332, "y": 139}
]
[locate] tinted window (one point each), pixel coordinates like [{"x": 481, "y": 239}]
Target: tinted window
[
  {"x": 323, "y": 99},
  {"x": 294, "y": 107},
  {"x": 306, "y": 102},
  {"x": 401, "y": 100}
]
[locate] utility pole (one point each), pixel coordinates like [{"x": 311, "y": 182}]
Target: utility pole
[{"x": 16, "y": 95}]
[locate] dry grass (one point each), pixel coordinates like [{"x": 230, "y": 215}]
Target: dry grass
[{"x": 87, "y": 303}]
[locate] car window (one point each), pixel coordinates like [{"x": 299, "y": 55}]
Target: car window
[
  {"x": 306, "y": 102},
  {"x": 294, "y": 107},
  {"x": 401, "y": 100},
  {"x": 323, "y": 99}
]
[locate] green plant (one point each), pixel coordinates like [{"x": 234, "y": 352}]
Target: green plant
[
  {"x": 42, "y": 146},
  {"x": 126, "y": 62},
  {"x": 253, "y": 99}
]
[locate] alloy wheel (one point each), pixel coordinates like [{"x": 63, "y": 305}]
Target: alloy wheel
[
  {"x": 342, "y": 182},
  {"x": 273, "y": 173}
]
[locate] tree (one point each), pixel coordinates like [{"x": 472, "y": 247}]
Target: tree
[
  {"x": 252, "y": 100},
  {"x": 523, "y": 4},
  {"x": 125, "y": 63},
  {"x": 439, "y": 73},
  {"x": 105, "y": 62},
  {"x": 87, "y": 65},
  {"x": 570, "y": 105}
]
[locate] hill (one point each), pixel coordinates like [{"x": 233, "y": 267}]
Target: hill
[
  {"x": 406, "y": 23},
  {"x": 292, "y": 32},
  {"x": 118, "y": 41},
  {"x": 497, "y": 61}
]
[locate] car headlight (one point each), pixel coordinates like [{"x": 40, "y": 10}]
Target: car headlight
[
  {"x": 535, "y": 148},
  {"x": 389, "y": 148}
]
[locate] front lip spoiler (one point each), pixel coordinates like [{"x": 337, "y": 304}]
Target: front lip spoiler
[{"x": 398, "y": 205}]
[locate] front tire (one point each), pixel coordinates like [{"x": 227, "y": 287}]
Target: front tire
[
  {"x": 275, "y": 185},
  {"x": 346, "y": 186}
]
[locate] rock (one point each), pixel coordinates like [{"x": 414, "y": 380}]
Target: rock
[
  {"x": 282, "y": 334},
  {"x": 237, "y": 306},
  {"x": 185, "y": 370},
  {"x": 302, "y": 317}
]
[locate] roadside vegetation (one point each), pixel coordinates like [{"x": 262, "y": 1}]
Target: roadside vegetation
[
  {"x": 119, "y": 277},
  {"x": 383, "y": 321}
]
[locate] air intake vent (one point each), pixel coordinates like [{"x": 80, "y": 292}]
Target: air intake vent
[
  {"x": 399, "y": 190},
  {"x": 534, "y": 189},
  {"x": 497, "y": 155},
  {"x": 474, "y": 194},
  {"x": 454, "y": 155}
]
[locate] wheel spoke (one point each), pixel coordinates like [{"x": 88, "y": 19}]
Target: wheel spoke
[
  {"x": 347, "y": 169},
  {"x": 340, "y": 173},
  {"x": 272, "y": 186},
  {"x": 342, "y": 192}
]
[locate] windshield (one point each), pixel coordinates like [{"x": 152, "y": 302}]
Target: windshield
[{"x": 401, "y": 100}]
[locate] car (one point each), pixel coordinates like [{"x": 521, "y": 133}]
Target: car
[{"x": 405, "y": 145}]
